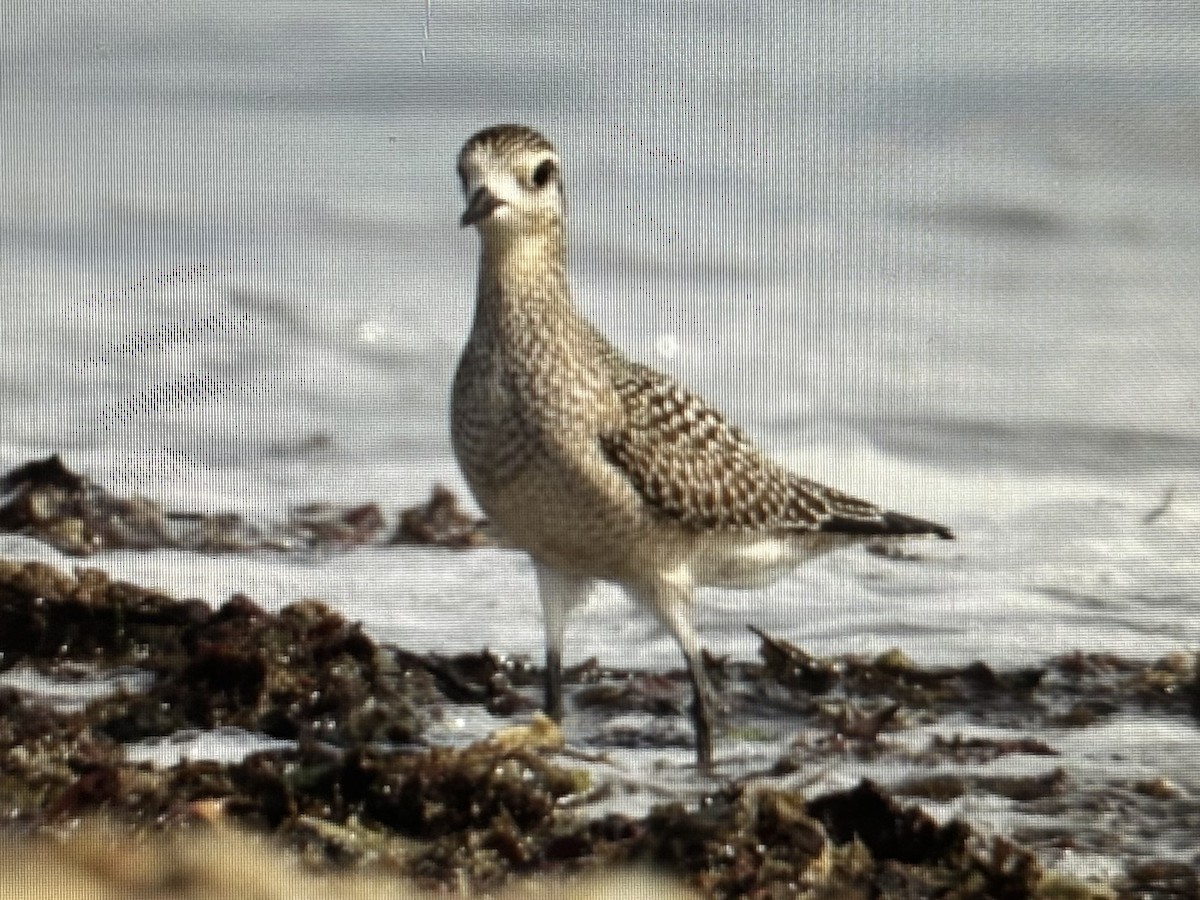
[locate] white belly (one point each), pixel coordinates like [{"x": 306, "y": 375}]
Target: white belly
[{"x": 756, "y": 560}]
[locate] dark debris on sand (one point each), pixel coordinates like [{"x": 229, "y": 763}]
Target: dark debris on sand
[
  {"x": 441, "y": 521},
  {"x": 304, "y": 672},
  {"x": 360, "y": 789},
  {"x": 44, "y": 499}
]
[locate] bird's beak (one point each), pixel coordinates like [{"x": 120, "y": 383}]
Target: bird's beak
[{"x": 481, "y": 205}]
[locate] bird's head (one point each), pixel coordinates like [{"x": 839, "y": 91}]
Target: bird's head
[{"x": 512, "y": 181}]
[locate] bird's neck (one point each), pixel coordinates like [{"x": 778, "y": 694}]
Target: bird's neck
[{"x": 523, "y": 282}]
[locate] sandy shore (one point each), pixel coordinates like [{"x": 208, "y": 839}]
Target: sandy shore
[
  {"x": 357, "y": 791},
  {"x": 361, "y": 790}
]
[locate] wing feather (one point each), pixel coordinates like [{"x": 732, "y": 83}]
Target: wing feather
[{"x": 691, "y": 465}]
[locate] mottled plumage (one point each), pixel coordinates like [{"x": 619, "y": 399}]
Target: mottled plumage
[{"x": 601, "y": 468}]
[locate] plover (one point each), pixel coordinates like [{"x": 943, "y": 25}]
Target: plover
[{"x": 603, "y": 469}]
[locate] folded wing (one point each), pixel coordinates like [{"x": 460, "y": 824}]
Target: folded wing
[{"x": 690, "y": 465}]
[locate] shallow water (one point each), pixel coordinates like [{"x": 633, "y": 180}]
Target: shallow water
[{"x": 943, "y": 256}]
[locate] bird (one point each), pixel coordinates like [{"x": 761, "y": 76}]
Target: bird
[{"x": 600, "y": 468}]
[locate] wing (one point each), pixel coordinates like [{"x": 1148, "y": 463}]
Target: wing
[{"x": 691, "y": 465}]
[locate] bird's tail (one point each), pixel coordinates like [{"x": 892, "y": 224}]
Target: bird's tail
[{"x": 886, "y": 524}]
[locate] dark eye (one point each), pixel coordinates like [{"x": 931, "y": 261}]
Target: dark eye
[
  {"x": 543, "y": 173},
  {"x": 462, "y": 176}
]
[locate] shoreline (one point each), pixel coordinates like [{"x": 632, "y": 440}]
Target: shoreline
[
  {"x": 360, "y": 773},
  {"x": 842, "y": 774}
]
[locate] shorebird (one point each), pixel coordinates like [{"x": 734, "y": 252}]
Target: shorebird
[{"x": 603, "y": 469}]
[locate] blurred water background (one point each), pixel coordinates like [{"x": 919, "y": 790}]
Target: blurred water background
[{"x": 943, "y": 255}]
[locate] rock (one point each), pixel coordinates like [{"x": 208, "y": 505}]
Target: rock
[{"x": 440, "y": 521}]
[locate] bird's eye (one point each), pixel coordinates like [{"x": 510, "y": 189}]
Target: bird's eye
[
  {"x": 543, "y": 173},
  {"x": 462, "y": 177}
]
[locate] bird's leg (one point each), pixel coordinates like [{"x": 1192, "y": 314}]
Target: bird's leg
[
  {"x": 702, "y": 711},
  {"x": 560, "y": 593},
  {"x": 554, "y": 701},
  {"x": 672, "y": 601}
]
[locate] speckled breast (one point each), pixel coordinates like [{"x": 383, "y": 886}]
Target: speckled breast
[{"x": 528, "y": 447}]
